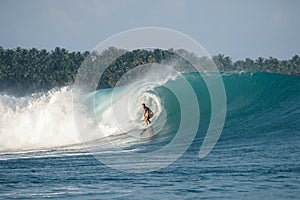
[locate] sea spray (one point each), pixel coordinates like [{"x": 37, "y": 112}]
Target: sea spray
[{"x": 38, "y": 121}]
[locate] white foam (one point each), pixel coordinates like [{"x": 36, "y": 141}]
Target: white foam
[{"x": 42, "y": 121}]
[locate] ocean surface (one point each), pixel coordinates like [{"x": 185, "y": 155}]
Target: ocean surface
[{"x": 108, "y": 153}]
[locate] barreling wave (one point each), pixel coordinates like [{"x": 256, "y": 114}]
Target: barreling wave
[{"x": 258, "y": 101}]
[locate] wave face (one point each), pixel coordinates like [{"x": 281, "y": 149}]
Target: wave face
[
  {"x": 262, "y": 105},
  {"x": 258, "y": 104}
]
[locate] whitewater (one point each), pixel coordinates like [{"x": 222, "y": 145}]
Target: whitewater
[{"x": 44, "y": 153}]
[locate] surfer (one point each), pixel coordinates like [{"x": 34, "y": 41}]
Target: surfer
[{"x": 147, "y": 114}]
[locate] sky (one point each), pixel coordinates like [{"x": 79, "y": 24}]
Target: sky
[{"x": 236, "y": 28}]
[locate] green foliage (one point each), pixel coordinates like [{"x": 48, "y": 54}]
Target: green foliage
[{"x": 26, "y": 71}]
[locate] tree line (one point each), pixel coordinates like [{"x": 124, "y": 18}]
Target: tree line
[{"x": 26, "y": 71}]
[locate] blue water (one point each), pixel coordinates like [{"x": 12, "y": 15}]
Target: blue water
[{"x": 256, "y": 156}]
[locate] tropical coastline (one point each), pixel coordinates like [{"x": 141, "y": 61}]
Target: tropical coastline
[{"x": 27, "y": 71}]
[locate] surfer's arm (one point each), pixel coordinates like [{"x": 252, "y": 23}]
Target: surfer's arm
[{"x": 146, "y": 113}]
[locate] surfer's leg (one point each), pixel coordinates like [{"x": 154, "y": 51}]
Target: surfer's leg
[{"x": 146, "y": 120}]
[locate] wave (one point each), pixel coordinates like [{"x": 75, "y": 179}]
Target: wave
[
  {"x": 262, "y": 102},
  {"x": 37, "y": 122}
]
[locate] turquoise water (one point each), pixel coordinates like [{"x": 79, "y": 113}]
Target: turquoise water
[{"x": 256, "y": 156}]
